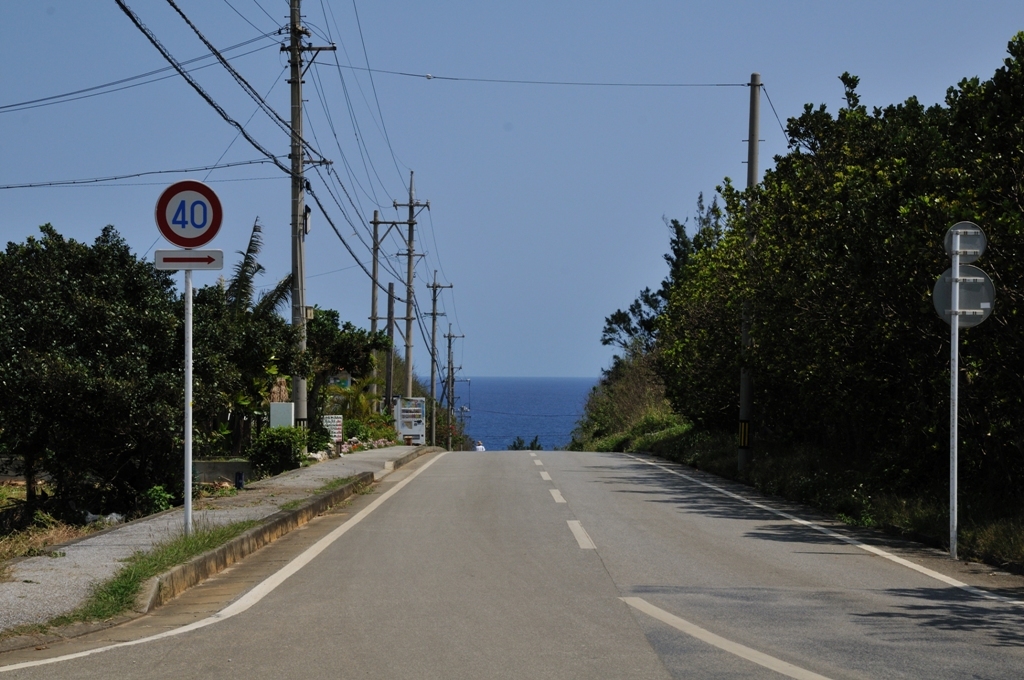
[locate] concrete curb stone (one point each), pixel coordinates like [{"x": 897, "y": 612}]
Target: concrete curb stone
[{"x": 163, "y": 588}]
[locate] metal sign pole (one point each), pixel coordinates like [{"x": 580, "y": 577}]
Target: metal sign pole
[
  {"x": 188, "y": 402},
  {"x": 954, "y": 375},
  {"x": 963, "y": 296}
]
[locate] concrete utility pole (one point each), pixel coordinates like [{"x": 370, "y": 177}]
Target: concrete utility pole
[
  {"x": 390, "y": 362},
  {"x": 300, "y": 214},
  {"x": 434, "y": 288},
  {"x": 373, "y": 291},
  {"x": 374, "y": 270},
  {"x": 746, "y": 387},
  {"x": 451, "y": 384},
  {"x": 411, "y": 255}
]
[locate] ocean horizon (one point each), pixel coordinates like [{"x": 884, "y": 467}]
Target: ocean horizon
[{"x": 497, "y": 409}]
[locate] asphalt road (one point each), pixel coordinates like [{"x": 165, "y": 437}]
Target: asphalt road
[{"x": 569, "y": 565}]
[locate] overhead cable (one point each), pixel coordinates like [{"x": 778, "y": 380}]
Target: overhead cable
[
  {"x": 781, "y": 126},
  {"x": 243, "y": 83},
  {"x": 198, "y": 88},
  {"x": 113, "y": 178},
  {"x": 70, "y": 96},
  {"x": 510, "y": 81},
  {"x": 323, "y": 211}
]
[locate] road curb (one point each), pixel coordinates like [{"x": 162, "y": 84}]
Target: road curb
[
  {"x": 170, "y": 584},
  {"x": 165, "y": 587}
]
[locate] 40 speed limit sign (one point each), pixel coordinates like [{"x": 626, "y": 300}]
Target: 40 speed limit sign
[{"x": 188, "y": 214}]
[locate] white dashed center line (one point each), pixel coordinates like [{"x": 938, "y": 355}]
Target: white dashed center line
[
  {"x": 581, "y": 535},
  {"x": 537, "y": 462},
  {"x": 557, "y": 495},
  {"x": 545, "y": 476}
]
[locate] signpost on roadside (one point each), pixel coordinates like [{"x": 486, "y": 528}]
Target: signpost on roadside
[
  {"x": 966, "y": 294},
  {"x": 188, "y": 214}
]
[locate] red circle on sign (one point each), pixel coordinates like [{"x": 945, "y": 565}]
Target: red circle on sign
[{"x": 211, "y": 213}]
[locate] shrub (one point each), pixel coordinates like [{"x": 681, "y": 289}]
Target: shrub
[
  {"x": 277, "y": 449},
  {"x": 318, "y": 439},
  {"x": 157, "y": 499},
  {"x": 355, "y": 429}
]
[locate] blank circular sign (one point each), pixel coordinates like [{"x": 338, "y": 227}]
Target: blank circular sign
[
  {"x": 188, "y": 214},
  {"x": 976, "y": 296},
  {"x": 972, "y": 238}
]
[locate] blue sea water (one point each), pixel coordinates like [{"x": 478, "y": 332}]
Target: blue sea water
[{"x": 497, "y": 410}]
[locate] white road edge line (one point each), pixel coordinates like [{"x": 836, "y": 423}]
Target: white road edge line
[
  {"x": 253, "y": 596},
  {"x": 537, "y": 462},
  {"x": 545, "y": 476},
  {"x": 948, "y": 580},
  {"x": 734, "y": 648},
  {"x": 557, "y": 495},
  {"x": 582, "y": 537}
]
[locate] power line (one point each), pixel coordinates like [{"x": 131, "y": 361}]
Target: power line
[
  {"x": 70, "y": 96},
  {"x": 244, "y": 18},
  {"x": 113, "y": 178},
  {"x": 242, "y": 82},
  {"x": 373, "y": 86},
  {"x": 781, "y": 126},
  {"x": 309, "y": 190},
  {"x": 573, "y": 83},
  {"x": 360, "y": 138},
  {"x": 264, "y": 11},
  {"x": 235, "y": 138},
  {"x": 198, "y": 88}
]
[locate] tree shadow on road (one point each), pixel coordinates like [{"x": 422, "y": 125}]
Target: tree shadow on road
[{"x": 957, "y": 611}]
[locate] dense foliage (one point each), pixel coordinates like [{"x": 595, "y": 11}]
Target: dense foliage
[
  {"x": 91, "y": 372},
  {"x": 276, "y": 450},
  {"x": 90, "y": 379},
  {"x": 834, "y": 255}
]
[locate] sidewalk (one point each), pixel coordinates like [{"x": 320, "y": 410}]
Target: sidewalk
[{"x": 38, "y": 589}]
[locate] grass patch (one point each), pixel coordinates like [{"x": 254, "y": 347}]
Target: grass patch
[
  {"x": 11, "y": 493},
  {"x": 45, "y": 531},
  {"x": 334, "y": 484},
  {"x": 118, "y": 594},
  {"x": 292, "y": 505}
]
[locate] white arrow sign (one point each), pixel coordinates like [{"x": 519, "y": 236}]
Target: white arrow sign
[{"x": 189, "y": 259}]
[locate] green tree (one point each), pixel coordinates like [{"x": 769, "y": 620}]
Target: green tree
[
  {"x": 241, "y": 342},
  {"x": 848, "y": 355},
  {"x": 333, "y": 347},
  {"x": 90, "y": 379}
]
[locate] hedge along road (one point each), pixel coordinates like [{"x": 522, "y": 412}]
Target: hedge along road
[{"x": 476, "y": 569}]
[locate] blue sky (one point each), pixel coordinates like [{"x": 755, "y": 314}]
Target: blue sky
[{"x": 546, "y": 200}]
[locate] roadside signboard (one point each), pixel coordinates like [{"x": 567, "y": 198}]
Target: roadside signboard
[
  {"x": 188, "y": 214},
  {"x": 189, "y": 259},
  {"x": 335, "y": 426}
]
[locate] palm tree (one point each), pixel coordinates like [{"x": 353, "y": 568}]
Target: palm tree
[{"x": 262, "y": 334}]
